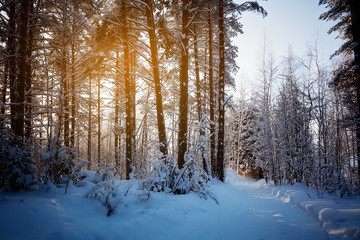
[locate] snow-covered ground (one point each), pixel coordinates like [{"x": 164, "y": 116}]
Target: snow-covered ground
[{"x": 247, "y": 209}]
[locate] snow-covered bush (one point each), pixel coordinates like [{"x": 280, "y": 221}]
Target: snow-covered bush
[
  {"x": 58, "y": 162},
  {"x": 86, "y": 176},
  {"x": 167, "y": 177},
  {"x": 110, "y": 193},
  {"x": 162, "y": 176},
  {"x": 330, "y": 180},
  {"x": 77, "y": 175},
  {"x": 17, "y": 167},
  {"x": 107, "y": 174},
  {"x": 192, "y": 178}
]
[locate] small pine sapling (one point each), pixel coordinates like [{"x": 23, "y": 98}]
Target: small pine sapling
[{"x": 17, "y": 167}]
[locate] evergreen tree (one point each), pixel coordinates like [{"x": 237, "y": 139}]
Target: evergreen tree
[{"x": 347, "y": 74}]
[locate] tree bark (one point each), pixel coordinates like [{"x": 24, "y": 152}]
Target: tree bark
[
  {"x": 128, "y": 127},
  {"x": 199, "y": 102},
  {"x": 156, "y": 75},
  {"x": 73, "y": 87},
  {"x": 99, "y": 121},
  {"x": 17, "y": 120},
  {"x": 3, "y": 90},
  {"x": 133, "y": 106},
  {"x": 183, "y": 108},
  {"x": 12, "y": 68},
  {"x": 221, "y": 109},
  {"x": 116, "y": 119},
  {"x": 28, "y": 78},
  {"x": 211, "y": 96},
  {"x": 64, "y": 79},
  {"x": 89, "y": 125}
]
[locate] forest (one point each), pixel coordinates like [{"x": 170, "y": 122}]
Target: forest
[{"x": 140, "y": 88}]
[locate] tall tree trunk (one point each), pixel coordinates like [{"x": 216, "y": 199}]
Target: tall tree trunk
[
  {"x": 211, "y": 96},
  {"x": 28, "y": 79},
  {"x": 156, "y": 75},
  {"x": 64, "y": 98},
  {"x": 64, "y": 78},
  {"x": 355, "y": 30},
  {"x": 145, "y": 133},
  {"x": 221, "y": 109},
  {"x": 12, "y": 67},
  {"x": 183, "y": 108},
  {"x": 116, "y": 119},
  {"x": 99, "y": 121},
  {"x": 133, "y": 106},
  {"x": 73, "y": 93},
  {"x": 17, "y": 120},
  {"x": 338, "y": 139},
  {"x": 128, "y": 108},
  {"x": 3, "y": 90},
  {"x": 89, "y": 125},
  {"x": 199, "y": 103}
]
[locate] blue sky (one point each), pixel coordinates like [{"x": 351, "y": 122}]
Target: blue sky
[{"x": 289, "y": 23}]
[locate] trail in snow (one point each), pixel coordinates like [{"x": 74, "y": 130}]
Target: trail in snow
[
  {"x": 268, "y": 217},
  {"x": 246, "y": 210}
]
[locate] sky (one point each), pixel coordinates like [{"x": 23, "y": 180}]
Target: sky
[{"x": 290, "y": 23}]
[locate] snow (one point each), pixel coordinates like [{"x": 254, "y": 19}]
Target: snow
[
  {"x": 247, "y": 209},
  {"x": 339, "y": 217}
]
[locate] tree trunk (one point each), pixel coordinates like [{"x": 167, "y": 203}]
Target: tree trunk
[
  {"x": 116, "y": 124},
  {"x": 3, "y": 90},
  {"x": 73, "y": 93},
  {"x": 183, "y": 108},
  {"x": 17, "y": 120},
  {"x": 211, "y": 96},
  {"x": 89, "y": 125},
  {"x": 156, "y": 75},
  {"x": 28, "y": 78},
  {"x": 12, "y": 68},
  {"x": 128, "y": 127},
  {"x": 64, "y": 79},
  {"x": 99, "y": 121},
  {"x": 221, "y": 109},
  {"x": 133, "y": 107},
  {"x": 199, "y": 103}
]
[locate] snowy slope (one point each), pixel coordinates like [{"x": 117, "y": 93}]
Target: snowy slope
[{"x": 246, "y": 210}]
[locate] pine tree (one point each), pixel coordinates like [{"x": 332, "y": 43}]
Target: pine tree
[{"x": 347, "y": 75}]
